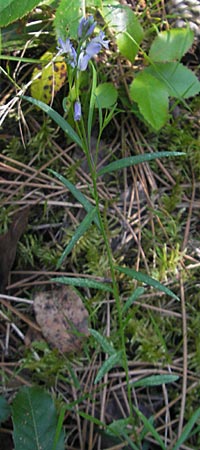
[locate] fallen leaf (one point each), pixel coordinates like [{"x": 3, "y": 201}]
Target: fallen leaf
[
  {"x": 8, "y": 245},
  {"x": 62, "y": 317}
]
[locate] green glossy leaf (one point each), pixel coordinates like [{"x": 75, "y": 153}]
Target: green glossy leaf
[
  {"x": 133, "y": 160},
  {"x": 77, "y": 194},
  {"x": 143, "y": 278},
  {"x": 171, "y": 45},
  {"x": 103, "y": 341},
  {"x": 180, "y": 81},
  {"x": 155, "y": 380},
  {"x": 81, "y": 229},
  {"x": 5, "y": 409},
  {"x": 125, "y": 24},
  {"x": 106, "y": 95},
  {"x": 66, "y": 127},
  {"x": 151, "y": 95},
  {"x": 84, "y": 282},
  {"x": 35, "y": 421},
  {"x": 108, "y": 364},
  {"x": 11, "y": 10},
  {"x": 67, "y": 18}
]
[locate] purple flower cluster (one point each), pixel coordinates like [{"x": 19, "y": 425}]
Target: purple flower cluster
[{"x": 85, "y": 50}]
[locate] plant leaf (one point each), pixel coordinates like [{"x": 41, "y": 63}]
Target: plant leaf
[
  {"x": 67, "y": 18},
  {"x": 51, "y": 79},
  {"x": 143, "y": 278},
  {"x": 171, "y": 45},
  {"x": 180, "y": 81},
  {"x": 114, "y": 359},
  {"x": 63, "y": 124},
  {"x": 11, "y": 10},
  {"x": 103, "y": 341},
  {"x": 155, "y": 380},
  {"x": 35, "y": 420},
  {"x": 136, "y": 294},
  {"x": 106, "y": 95},
  {"x": 133, "y": 160},
  {"x": 81, "y": 229},
  {"x": 77, "y": 194},
  {"x": 5, "y": 409},
  {"x": 148, "y": 425},
  {"x": 83, "y": 282},
  {"x": 187, "y": 429},
  {"x": 125, "y": 24},
  {"x": 151, "y": 95}
]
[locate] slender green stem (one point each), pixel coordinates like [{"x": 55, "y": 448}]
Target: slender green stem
[{"x": 93, "y": 172}]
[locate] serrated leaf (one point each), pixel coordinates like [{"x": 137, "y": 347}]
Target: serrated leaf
[
  {"x": 151, "y": 95},
  {"x": 67, "y": 18},
  {"x": 111, "y": 362},
  {"x": 125, "y": 24},
  {"x": 171, "y": 45},
  {"x": 11, "y": 10},
  {"x": 142, "y": 277},
  {"x": 35, "y": 420},
  {"x": 179, "y": 81},
  {"x": 5, "y": 409},
  {"x": 51, "y": 78},
  {"x": 106, "y": 95}
]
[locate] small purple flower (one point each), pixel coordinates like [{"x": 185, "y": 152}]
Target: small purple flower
[
  {"x": 100, "y": 40},
  {"x": 77, "y": 111},
  {"x": 83, "y": 61},
  {"x": 67, "y": 48},
  {"x": 86, "y": 27},
  {"x": 93, "y": 48}
]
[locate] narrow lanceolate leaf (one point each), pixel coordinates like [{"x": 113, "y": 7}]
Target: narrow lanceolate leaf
[
  {"x": 62, "y": 123},
  {"x": 155, "y": 380},
  {"x": 103, "y": 342},
  {"x": 133, "y": 160},
  {"x": 134, "y": 296},
  {"x": 35, "y": 421},
  {"x": 187, "y": 429},
  {"x": 83, "y": 227},
  {"x": 148, "y": 425},
  {"x": 77, "y": 195},
  {"x": 111, "y": 362},
  {"x": 84, "y": 282},
  {"x": 11, "y": 10},
  {"x": 139, "y": 276}
]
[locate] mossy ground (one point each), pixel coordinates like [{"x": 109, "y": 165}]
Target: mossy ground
[{"x": 151, "y": 215}]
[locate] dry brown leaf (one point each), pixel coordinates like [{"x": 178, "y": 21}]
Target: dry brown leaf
[
  {"x": 8, "y": 245},
  {"x": 62, "y": 317}
]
